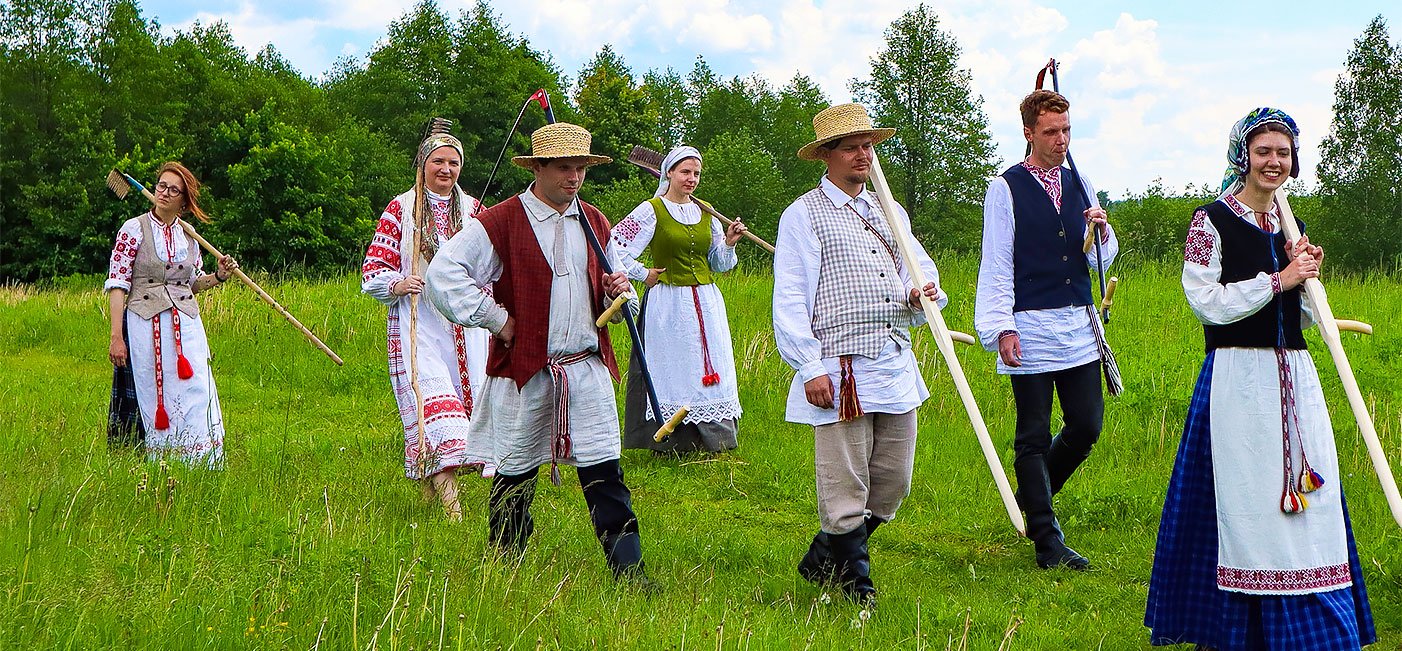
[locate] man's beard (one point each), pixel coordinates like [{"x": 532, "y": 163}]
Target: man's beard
[{"x": 857, "y": 178}]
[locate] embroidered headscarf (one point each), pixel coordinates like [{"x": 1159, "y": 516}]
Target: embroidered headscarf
[
  {"x": 674, "y": 157},
  {"x": 1239, "y": 159},
  {"x": 426, "y": 232}
]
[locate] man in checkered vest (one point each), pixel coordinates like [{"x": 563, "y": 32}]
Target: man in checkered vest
[
  {"x": 1034, "y": 308},
  {"x": 843, "y": 307}
]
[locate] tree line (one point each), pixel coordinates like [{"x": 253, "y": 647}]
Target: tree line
[{"x": 297, "y": 170}]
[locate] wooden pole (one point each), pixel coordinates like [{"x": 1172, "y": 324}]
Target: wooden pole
[
  {"x": 706, "y": 208},
  {"x": 946, "y": 346},
  {"x": 414, "y": 336},
  {"x": 190, "y": 230},
  {"x": 1329, "y": 330}
]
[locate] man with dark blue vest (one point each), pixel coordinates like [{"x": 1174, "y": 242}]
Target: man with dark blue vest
[{"x": 1034, "y": 308}]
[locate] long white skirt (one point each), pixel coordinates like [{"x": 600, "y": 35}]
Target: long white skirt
[
  {"x": 196, "y": 432},
  {"x": 445, "y": 396},
  {"x": 672, "y": 341}
]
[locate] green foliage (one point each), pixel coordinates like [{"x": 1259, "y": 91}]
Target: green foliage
[
  {"x": 1153, "y": 225},
  {"x": 1361, "y": 216},
  {"x": 617, "y": 113},
  {"x": 741, "y": 180},
  {"x": 942, "y": 154},
  {"x": 311, "y": 531}
]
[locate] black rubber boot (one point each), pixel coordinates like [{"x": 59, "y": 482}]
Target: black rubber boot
[
  {"x": 509, "y": 522},
  {"x": 616, "y": 526},
  {"x": 817, "y": 565},
  {"x": 1035, "y": 498},
  {"x": 1062, "y": 461},
  {"x": 850, "y": 554}
]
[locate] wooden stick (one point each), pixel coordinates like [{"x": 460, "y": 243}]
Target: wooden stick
[
  {"x": 1354, "y": 326},
  {"x": 414, "y": 343},
  {"x": 962, "y": 337},
  {"x": 1090, "y": 239},
  {"x": 1109, "y": 298},
  {"x": 671, "y": 424},
  {"x": 706, "y": 208},
  {"x": 1329, "y": 330},
  {"x": 612, "y": 309},
  {"x": 946, "y": 346},
  {"x": 190, "y": 230}
]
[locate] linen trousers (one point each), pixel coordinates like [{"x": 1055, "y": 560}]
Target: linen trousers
[{"x": 863, "y": 467}]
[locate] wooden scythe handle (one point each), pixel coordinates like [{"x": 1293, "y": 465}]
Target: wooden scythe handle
[
  {"x": 190, "y": 230},
  {"x": 961, "y": 337},
  {"x": 1329, "y": 330},
  {"x": 671, "y": 425},
  {"x": 946, "y": 346},
  {"x": 612, "y": 309},
  {"x": 1354, "y": 326},
  {"x": 1109, "y": 298}
]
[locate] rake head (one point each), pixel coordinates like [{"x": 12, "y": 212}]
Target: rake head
[
  {"x": 646, "y": 158},
  {"x": 118, "y": 183}
]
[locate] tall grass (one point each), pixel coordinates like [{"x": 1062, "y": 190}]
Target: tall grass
[{"x": 311, "y": 537}]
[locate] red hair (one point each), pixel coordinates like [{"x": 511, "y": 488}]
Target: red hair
[{"x": 192, "y": 188}]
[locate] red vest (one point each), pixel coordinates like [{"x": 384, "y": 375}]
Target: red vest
[{"x": 524, "y": 290}]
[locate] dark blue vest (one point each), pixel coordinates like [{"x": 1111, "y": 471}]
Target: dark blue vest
[
  {"x": 1246, "y": 252},
  {"x": 1049, "y": 269}
]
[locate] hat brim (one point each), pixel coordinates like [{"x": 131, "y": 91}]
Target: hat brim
[
  {"x": 590, "y": 159},
  {"x": 810, "y": 150}
]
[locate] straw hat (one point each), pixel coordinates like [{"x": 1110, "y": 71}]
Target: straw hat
[
  {"x": 836, "y": 122},
  {"x": 560, "y": 140}
]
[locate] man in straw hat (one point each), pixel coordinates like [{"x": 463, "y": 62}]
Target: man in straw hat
[
  {"x": 549, "y": 367},
  {"x": 1040, "y": 319},
  {"x": 843, "y": 306}
]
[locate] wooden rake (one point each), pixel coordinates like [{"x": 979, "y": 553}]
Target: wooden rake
[{"x": 121, "y": 183}]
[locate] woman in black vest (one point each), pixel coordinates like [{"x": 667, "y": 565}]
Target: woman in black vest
[
  {"x": 158, "y": 346},
  {"x": 1255, "y": 549}
]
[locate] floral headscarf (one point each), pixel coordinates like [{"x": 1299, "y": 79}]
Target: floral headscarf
[
  {"x": 434, "y": 142},
  {"x": 674, "y": 157},
  {"x": 1239, "y": 159}
]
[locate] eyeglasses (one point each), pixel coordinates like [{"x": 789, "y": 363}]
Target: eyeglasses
[{"x": 172, "y": 190}]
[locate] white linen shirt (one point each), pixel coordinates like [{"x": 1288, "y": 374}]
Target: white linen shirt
[
  {"x": 1053, "y": 339},
  {"x": 514, "y": 427},
  {"x": 889, "y": 383}
]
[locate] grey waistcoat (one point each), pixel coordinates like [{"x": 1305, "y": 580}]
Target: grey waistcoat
[
  {"x": 157, "y": 286},
  {"x": 861, "y": 300}
]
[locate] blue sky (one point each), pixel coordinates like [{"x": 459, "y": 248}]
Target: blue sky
[{"x": 1154, "y": 86}]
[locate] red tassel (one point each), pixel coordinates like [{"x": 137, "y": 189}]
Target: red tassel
[
  {"x": 849, "y": 407},
  {"x": 710, "y": 379},
  {"x": 183, "y": 368},
  {"x": 162, "y": 419}
]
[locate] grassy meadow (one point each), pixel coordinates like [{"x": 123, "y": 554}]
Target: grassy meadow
[{"x": 312, "y": 538}]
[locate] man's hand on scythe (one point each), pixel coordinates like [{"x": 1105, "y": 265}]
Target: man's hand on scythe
[{"x": 931, "y": 292}]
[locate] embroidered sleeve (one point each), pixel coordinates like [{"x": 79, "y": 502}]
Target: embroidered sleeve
[
  {"x": 119, "y": 267},
  {"x": 1215, "y": 302},
  {"x": 382, "y": 263},
  {"x": 631, "y": 236},
  {"x": 1200, "y": 242}
]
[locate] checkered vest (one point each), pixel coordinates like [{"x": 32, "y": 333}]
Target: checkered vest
[
  {"x": 861, "y": 300},
  {"x": 157, "y": 286}
]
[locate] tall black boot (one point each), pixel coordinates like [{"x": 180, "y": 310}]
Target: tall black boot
[
  {"x": 611, "y": 509},
  {"x": 1035, "y": 498},
  {"x": 850, "y": 554},
  {"x": 509, "y": 522},
  {"x": 817, "y": 565},
  {"x": 1062, "y": 461}
]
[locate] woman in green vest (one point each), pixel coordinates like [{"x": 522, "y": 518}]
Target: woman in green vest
[{"x": 685, "y": 330}]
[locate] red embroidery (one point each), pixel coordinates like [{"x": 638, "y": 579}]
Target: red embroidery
[
  {"x": 1198, "y": 249},
  {"x": 394, "y": 209},
  {"x": 1050, "y": 180},
  {"x": 1314, "y": 578},
  {"x": 626, "y": 230}
]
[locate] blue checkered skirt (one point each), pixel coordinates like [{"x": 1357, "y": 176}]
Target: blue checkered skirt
[{"x": 1185, "y": 604}]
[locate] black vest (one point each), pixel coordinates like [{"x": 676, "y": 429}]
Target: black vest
[
  {"x": 1246, "y": 252},
  {"x": 1049, "y": 269}
]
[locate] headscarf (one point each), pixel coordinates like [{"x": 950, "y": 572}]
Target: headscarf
[
  {"x": 434, "y": 142},
  {"x": 426, "y": 233},
  {"x": 1239, "y": 159},
  {"x": 674, "y": 157}
]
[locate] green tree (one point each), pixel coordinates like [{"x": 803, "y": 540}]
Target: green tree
[
  {"x": 741, "y": 179},
  {"x": 616, "y": 112},
  {"x": 1361, "y": 157},
  {"x": 791, "y": 127},
  {"x": 667, "y": 98},
  {"x": 942, "y": 154}
]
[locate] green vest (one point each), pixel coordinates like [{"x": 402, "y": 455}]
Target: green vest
[{"x": 682, "y": 250}]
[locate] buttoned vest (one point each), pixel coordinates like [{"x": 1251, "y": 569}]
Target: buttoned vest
[
  {"x": 861, "y": 300},
  {"x": 1049, "y": 269},
  {"x": 157, "y": 286}
]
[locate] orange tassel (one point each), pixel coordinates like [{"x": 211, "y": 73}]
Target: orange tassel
[
  {"x": 849, "y": 406},
  {"x": 162, "y": 419},
  {"x": 183, "y": 368}
]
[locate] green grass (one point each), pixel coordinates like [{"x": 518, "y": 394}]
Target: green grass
[{"x": 312, "y": 534}]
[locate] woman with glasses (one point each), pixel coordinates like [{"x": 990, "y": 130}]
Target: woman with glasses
[{"x": 158, "y": 341}]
